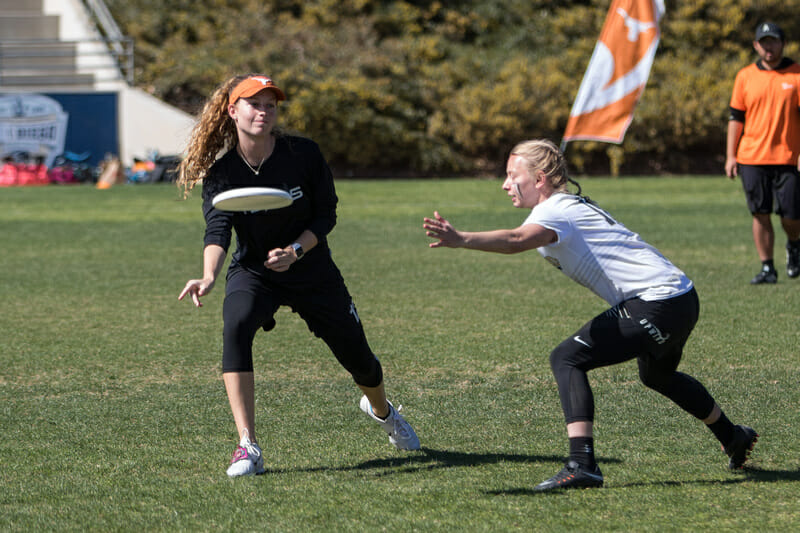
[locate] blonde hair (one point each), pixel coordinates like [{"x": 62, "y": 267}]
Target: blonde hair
[{"x": 544, "y": 156}]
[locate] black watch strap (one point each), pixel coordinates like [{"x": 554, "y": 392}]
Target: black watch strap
[{"x": 298, "y": 249}]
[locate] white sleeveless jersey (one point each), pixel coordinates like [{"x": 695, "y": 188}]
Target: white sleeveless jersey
[{"x": 601, "y": 254}]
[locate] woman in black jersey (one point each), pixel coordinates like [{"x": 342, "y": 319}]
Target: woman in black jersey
[{"x": 282, "y": 256}]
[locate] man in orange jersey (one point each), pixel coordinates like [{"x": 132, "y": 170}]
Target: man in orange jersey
[{"x": 763, "y": 147}]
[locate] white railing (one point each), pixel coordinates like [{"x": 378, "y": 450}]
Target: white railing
[
  {"x": 121, "y": 48},
  {"x": 105, "y": 23}
]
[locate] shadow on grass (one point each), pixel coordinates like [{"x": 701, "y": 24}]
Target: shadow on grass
[
  {"x": 427, "y": 459},
  {"x": 759, "y": 474},
  {"x": 748, "y": 474}
]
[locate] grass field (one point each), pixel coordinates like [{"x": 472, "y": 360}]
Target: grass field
[{"x": 114, "y": 418}]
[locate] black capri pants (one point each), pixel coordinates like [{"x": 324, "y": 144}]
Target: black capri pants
[
  {"x": 326, "y": 307},
  {"x": 653, "y": 332}
]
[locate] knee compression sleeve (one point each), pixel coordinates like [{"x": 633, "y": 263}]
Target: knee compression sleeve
[{"x": 577, "y": 400}]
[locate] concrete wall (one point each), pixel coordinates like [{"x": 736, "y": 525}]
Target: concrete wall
[{"x": 148, "y": 124}]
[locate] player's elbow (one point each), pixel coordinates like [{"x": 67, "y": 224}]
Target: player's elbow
[
  {"x": 517, "y": 243},
  {"x": 529, "y": 237}
]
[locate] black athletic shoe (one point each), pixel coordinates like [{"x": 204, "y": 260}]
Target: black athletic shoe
[
  {"x": 765, "y": 276},
  {"x": 792, "y": 260},
  {"x": 572, "y": 476},
  {"x": 744, "y": 438}
]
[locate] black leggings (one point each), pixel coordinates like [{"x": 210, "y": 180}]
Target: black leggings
[
  {"x": 327, "y": 309},
  {"x": 653, "y": 332}
]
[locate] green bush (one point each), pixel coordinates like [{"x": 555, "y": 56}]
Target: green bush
[{"x": 444, "y": 87}]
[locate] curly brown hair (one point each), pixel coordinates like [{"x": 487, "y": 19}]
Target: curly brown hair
[{"x": 214, "y": 132}]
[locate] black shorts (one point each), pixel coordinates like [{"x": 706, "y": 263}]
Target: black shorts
[
  {"x": 768, "y": 185},
  {"x": 327, "y": 308}
]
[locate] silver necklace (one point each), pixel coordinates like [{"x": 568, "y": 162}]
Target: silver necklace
[{"x": 255, "y": 170}]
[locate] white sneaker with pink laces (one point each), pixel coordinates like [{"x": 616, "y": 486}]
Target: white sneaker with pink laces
[{"x": 247, "y": 459}]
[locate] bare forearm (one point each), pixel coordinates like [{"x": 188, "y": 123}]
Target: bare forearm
[
  {"x": 501, "y": 241},
  {"x": 213, "y": 259},
  {"x": 307, "y": 240},
  {"x": 734, "y": 132},
  {"x": 732, "y": 142}
]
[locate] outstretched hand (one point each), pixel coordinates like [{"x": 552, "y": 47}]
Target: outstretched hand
[
  {"x": 439, "y": 228},
  {"x": 196, "y": 288}
]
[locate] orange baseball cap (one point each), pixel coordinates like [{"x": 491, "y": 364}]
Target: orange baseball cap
[{"x": 253, "y": 85}]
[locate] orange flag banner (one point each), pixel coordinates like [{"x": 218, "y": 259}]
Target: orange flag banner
[{"x": 617, "y": 72}]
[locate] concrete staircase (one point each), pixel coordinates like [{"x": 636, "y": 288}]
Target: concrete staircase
[{"x": 53, "y": 45}]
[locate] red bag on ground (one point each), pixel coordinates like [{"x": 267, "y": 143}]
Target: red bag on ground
[{"x": 8, "y": 175}]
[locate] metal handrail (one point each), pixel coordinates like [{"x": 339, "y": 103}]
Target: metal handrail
[
  {"x": 113, "y": 35},
  {"x": 103, "y": 17}
]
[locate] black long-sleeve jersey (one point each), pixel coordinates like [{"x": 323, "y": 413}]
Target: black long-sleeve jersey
[{"x": 297, "y": 166}]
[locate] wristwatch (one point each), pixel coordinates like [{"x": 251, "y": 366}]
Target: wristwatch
[{"x": 298, "y": 250}]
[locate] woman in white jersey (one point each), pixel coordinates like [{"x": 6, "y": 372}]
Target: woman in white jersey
[{"x": 654, "y": 306}]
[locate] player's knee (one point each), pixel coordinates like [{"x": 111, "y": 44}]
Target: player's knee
[
  {"x": 239, "y": 323},
  {"x": 236, "y": 363},
  {"x": 368, "y": 374},
  {"x": 561, "y": 358},
  {"x": 656, "y": 381},
  {"x": 239, "y": 327}
]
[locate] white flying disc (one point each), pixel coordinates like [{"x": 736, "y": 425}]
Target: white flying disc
[{"x": 252, "y": 199}]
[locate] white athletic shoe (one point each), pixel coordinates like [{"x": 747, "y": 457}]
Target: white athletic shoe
[
  {"x": 400, "y": 432},
  {"x": 247, "y": 459}
]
